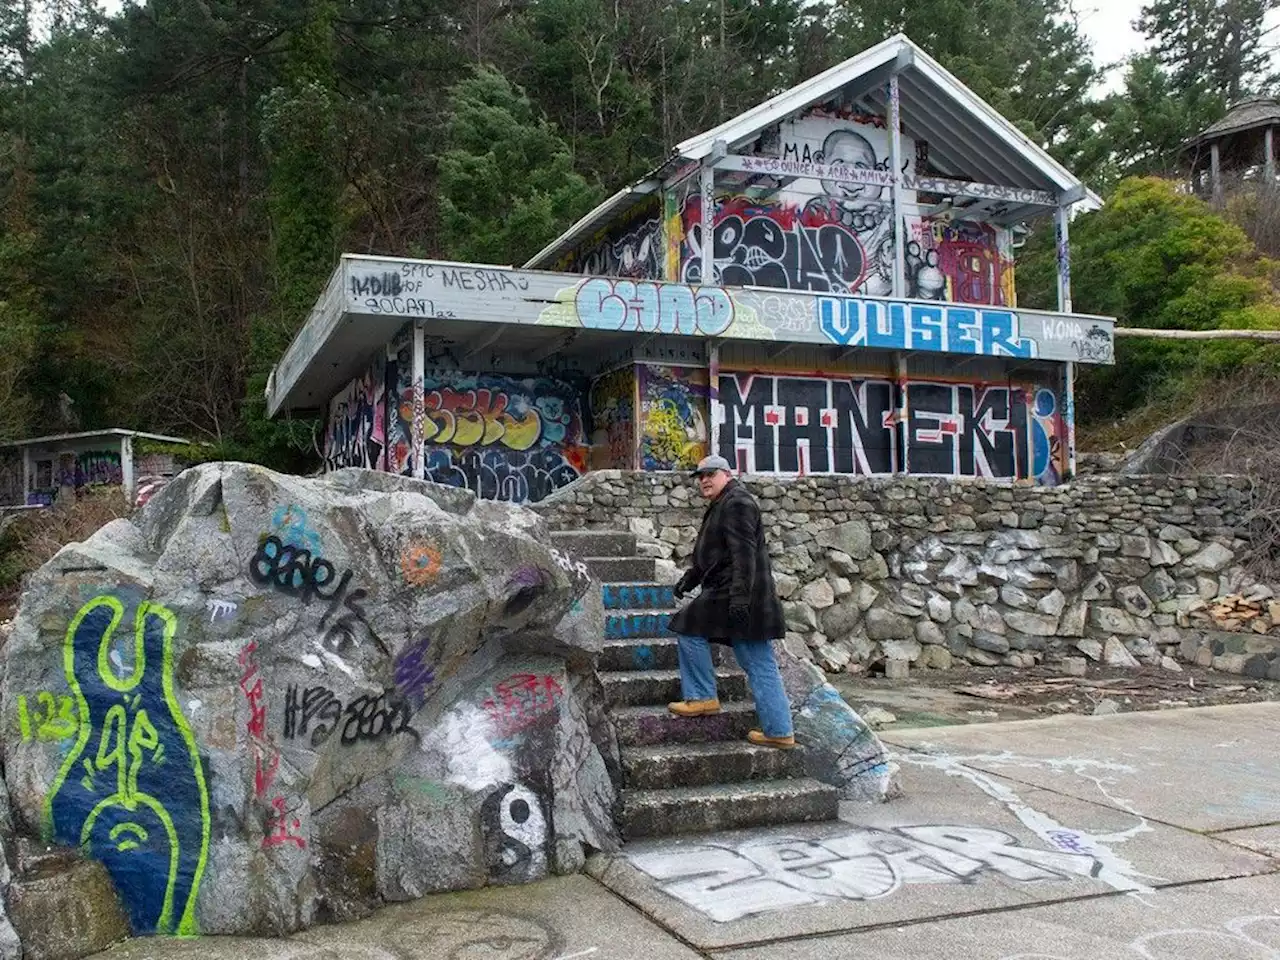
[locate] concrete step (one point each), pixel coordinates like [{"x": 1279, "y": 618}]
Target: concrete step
[
  {"x": 651, "y": 726},
  {"x": 620, "y": 569},
  {"x": 639, "y": 688},
  {"x": 726, "y": 806},
  {"x": 630, "y": 624},
  {"x": 657, "y": 653},
  {"x": 638, "y": 596},
  {"x": 701, "y": 764},
  {"x": 595, "y": 543}
]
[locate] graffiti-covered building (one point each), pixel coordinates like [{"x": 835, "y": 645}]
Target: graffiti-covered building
[{"x": 824, "y": 284}]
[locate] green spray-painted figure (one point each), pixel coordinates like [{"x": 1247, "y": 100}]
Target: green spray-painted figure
[{"x": 132, "y": 791}]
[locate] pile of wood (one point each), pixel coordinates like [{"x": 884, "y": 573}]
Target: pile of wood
[{"x": 1236, "y": 612}]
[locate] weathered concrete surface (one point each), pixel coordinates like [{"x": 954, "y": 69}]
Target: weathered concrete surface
[
  {"x": 557, "y": 919},
  {"x": 1210, "y": 769},
  {"x": 271, "y": 701},
  {"x": 959, "y": 841},
  {"x": 970, "y": 864},
  {"x": 1231, "y": 920},
  {"x": 1263, "y": 839}
]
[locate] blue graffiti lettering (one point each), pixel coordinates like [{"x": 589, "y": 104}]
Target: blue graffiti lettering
[
  {"x": 636, "y": 625},
  {"x": 889, "y": 325},
  {"x": 605, "y": 304},
  {"x": 637, "y": 597}
]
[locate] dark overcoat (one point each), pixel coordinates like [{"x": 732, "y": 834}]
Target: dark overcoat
[{"x": 731, "y": 564}]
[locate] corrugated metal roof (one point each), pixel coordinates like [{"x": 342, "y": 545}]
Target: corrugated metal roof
[
  {"x": 967, "y": 138},
  {"x": 1247, "y": 115}
]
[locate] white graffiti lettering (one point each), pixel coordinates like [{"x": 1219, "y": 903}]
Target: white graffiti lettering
[{"x": 728, "y": 883}]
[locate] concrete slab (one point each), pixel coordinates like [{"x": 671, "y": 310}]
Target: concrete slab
[
  {"x": 557, "y": 919},
  {"x": 1208, "y": 769},
  {"x": 960, "y": 841},
  {"x": 1263, "y": 839},
  {"x": 1233, "y": 920}
]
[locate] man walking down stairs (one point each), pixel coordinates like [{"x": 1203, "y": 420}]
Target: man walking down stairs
[{"x": 683, "y": 774}]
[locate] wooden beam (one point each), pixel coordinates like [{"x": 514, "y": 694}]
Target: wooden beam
[{"x": 1272, "y": 336}]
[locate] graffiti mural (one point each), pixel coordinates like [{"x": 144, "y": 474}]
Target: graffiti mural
[
  {"x": 400, "y": 412},
  {"x": 355, "y": 435},
  {"x": 831, "y": 236},
  {"x": 802, "y": 425},
  {"x": 634, "y": 251},
  {"x": 962, "y": 261},
  {"x": 92, "y": 468},
  {"x": 503, "y": 438},
  {"x": 613, "y": 420},
  {"x": 131, "y": 791},
  {"x": 673, "y": 417},
  {"x": 1048, "y": 439}
]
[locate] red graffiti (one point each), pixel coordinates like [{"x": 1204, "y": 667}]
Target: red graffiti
[
  {"x": 281, "y": 826},
  {"x": 266, "y": 758},
  {"x": 518, "y": 701}
]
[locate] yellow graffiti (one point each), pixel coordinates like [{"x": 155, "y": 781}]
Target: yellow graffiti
[
  {"x": 470, "y": 418},
  {"x": 668, "y": 437},
  {"x": 55, "y": 718}
]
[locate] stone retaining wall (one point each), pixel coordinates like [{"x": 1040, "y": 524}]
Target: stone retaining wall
[{"x": 927, "y": 571}]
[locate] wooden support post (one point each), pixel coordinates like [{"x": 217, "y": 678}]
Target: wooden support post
[
  {"x": 713, "y": 395},
  {"x": 128, "y": 480},
  {"x": 708, "y": 188},
  {"x": 419, "y": 398},
  {"x": 895, "y": 162},
  {"x": 1063, "y": 223},
  {"x": 1215, "y": 172},
  {"x": 1069, "y": 414},
  {"x": 1269, "y": 160},
  {"x": 903, "y": 414}
]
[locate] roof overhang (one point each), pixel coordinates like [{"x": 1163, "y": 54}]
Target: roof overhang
[
  {"x": 114, "y": 432},
  {"x": 528, "y": 316},
  {"x": 968, "y": 139}
]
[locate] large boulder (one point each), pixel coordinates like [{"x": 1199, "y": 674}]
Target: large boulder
[
  {"x": 269, "y": 701},
  {"x": 840, "y": 748}
]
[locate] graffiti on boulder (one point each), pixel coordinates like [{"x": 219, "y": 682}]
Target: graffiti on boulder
[{"x": 131, "y": 791}]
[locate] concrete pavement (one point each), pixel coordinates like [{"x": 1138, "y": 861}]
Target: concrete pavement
[{"x": 1143, "y": 835}]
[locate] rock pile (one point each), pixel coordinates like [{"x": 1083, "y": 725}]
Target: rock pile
[
  {"x": 1258, "y": 612},
  {"x": 271, "y": 701}
]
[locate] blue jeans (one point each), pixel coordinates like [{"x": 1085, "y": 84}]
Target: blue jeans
[{"x": 698, "y": 679}]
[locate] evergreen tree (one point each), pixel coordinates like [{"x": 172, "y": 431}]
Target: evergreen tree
[
  {"x": 507, "y": 182},
  {"x": 1208, "y": 46}
]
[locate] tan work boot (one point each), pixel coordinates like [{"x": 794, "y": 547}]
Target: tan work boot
[
  {"x": 694, "y": 708},
  {"x": 759, "y": 739}
]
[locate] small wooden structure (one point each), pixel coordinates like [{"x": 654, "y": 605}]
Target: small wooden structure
[{"x": 1239, "y": 142}]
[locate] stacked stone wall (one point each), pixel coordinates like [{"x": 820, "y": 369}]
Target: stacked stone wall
[{"x": 928, "y": 572}]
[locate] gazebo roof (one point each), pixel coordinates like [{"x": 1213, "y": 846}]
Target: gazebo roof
[{"x": 1253, "y": 114}]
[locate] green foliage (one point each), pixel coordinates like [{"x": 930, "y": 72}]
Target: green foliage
[
  {"x": 507, "y": 182},
  {"x": 1159, "y": 258}
]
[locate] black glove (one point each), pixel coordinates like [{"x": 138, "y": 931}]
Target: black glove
[
  {"x": 739, "y": 616},
  {"x": 684, "y": 586}
]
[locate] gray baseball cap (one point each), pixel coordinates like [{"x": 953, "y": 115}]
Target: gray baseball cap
[{"x": 711, "y": 465}]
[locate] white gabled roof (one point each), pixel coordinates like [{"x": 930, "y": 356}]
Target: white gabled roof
[{"x": 968, "y": 140}]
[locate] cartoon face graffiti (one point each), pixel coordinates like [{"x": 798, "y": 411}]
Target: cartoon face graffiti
[{"x": 852, "y": 150}]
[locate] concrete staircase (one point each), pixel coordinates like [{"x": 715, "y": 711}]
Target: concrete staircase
[{"x": 682, "y": 775}]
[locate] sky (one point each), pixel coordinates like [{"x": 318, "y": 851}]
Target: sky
[{"x": 1108, "y": 24}]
